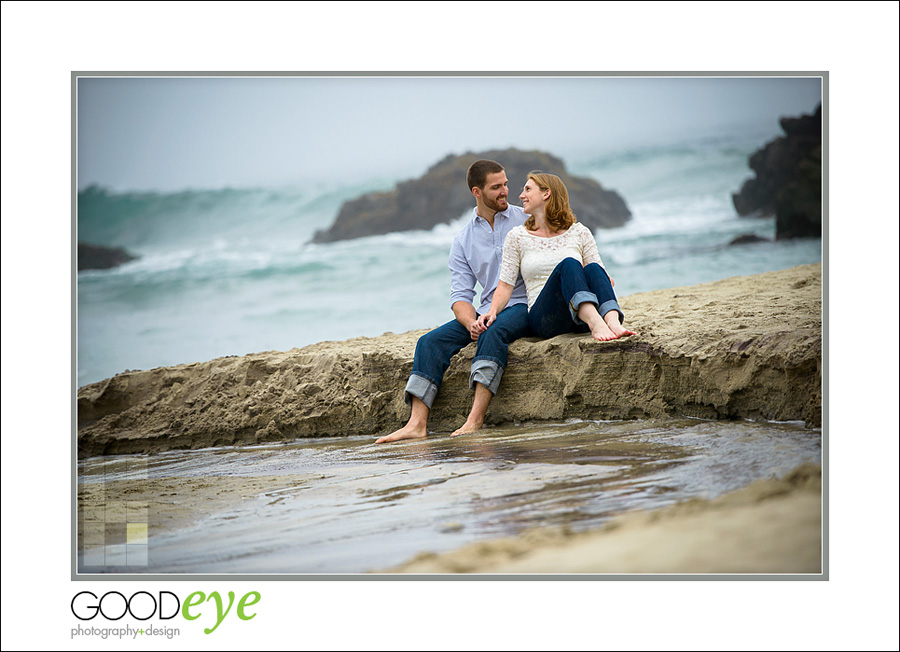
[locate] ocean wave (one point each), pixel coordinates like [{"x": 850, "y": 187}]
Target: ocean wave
[
  {"x": 150, "y": 220},
  {"x": 688, "y": 170},
  {"x": 713, "y": 146}
]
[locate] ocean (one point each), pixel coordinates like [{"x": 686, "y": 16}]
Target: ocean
[{"x": 233, "y": 271}]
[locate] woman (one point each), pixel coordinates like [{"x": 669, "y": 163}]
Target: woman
[{"x": 568, "y": 288}]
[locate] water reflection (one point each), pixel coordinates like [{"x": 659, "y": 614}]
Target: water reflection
[{"x": 348, "y": 505}]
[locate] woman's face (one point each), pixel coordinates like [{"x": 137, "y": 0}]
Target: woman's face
[{"x": 533, "y": 198}]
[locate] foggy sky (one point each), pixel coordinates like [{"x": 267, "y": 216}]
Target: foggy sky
[{"x": 187, "y": 132}]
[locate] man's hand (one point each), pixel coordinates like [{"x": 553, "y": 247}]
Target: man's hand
[
  {"x": 465, "y": 314},
  {"x": 476, "y": 328}
]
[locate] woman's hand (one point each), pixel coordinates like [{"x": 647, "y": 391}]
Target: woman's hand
[
  {"x": 486, "y": 320},
  {"x": 498, "y": 303},
  {"x": 476, "y": 328}
]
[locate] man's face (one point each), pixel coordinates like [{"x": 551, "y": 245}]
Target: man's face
[{"x": 495, "y": 192}]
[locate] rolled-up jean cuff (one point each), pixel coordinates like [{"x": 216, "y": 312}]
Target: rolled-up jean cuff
[
  {"x": 420, "y": 387},
  {"x": 577, "y": 299},
  {"x": 612, "y": 304},
  {"x": 486, "y": 372}
]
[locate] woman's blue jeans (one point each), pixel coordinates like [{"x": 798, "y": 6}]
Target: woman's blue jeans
[
  {"x": 556, "y": 309},
  {"x": 435, "y": 348}
]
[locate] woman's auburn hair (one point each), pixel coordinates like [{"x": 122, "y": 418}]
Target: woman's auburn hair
[{"x": 557, "y": 212}]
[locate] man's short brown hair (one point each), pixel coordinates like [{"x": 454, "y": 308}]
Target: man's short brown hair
[{"x": 478, "y": 173}]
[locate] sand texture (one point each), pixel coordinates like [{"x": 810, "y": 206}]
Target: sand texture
[
  {"x": 744, "y": 347},
  {"x": 771, "y": 526}
]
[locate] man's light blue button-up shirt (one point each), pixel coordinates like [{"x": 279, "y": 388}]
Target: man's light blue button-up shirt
[{"x": 475, "y": 256}]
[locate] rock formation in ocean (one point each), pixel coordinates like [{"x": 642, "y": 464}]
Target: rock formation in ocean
[
  {"x": 99, "y": 257},
  {"x": 746, "y": 238},
  {"x": 742, "y": 348},
  {"x": 440, "y": 196},
  {"x": 788, "y": 182}
]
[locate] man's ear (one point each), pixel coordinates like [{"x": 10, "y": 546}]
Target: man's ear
[{"x": 476, "y": 192}]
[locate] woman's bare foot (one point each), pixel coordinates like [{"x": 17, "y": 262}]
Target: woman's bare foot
[
  {"x": 600, "y": 331},
  {"x": 471, "y": 425},
  {"x": 612, "y": 322},
  {"x": 409, "y": 431}
]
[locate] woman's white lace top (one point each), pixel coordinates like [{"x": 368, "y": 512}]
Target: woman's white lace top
[{"x": 536, "y": 257}]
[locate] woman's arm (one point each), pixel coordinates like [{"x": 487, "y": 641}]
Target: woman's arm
[
  {"x": 509, "y": 274},
  {"x": 498, "y": 303}
]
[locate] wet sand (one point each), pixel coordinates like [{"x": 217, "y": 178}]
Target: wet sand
[
  {"x": 176, "y": 503},
  {"x": 770, "y": 527},
  {"x": 657, "y": 496}
]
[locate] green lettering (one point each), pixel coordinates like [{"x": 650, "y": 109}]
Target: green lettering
[
  {"x": 219, "y": 615},
  {"x": 190, "y": 602},
  {"x": 244, "y": 603}
]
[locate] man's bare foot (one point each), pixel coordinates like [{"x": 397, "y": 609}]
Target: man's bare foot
[
  {"x": 612, "y": 321},
  {"x": 471, "y": 425},
  {"x": 409, "y": 431}
]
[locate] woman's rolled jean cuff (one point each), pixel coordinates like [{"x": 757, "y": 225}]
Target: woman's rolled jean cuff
[
  {"x": 420, "y": 387},
  {"x": 581, "y": 297},
  {"x": 612, "y": 304},
  {"x": 577, "y": 299},
  {"x": 486, "y": 372}
]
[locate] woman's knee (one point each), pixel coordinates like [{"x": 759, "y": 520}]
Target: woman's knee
[
  {"x": 595, "y": 269},
  {"x": 569, "y": 263},
  {"x": 598, "y": 278}
]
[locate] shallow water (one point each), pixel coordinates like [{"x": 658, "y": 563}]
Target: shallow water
[{"x": 349, "y": 506}]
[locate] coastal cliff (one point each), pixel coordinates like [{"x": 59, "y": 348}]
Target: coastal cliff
[
  {"x": 744, "y": 347},
  {"x": 788, "y": 181}
]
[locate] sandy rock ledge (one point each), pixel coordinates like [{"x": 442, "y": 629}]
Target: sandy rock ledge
[{"x": 744, "y": 347}]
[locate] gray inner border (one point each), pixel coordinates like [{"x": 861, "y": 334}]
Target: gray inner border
[{"x": 75, "y": 576}]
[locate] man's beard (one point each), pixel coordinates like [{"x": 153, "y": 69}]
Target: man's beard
[{"x": 496, "y": 205}]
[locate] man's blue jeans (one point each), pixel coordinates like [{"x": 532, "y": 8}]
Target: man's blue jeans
[
  {"x": 556, "y": 309},
  {"x": 435, "y": 348}
]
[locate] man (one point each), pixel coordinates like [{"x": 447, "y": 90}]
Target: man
[{"x": 474, "y": 256}]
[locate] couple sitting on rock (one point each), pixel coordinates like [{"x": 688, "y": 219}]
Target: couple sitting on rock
[{"x": 541, "y": 275}]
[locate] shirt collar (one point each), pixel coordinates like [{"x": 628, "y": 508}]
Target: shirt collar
[{"x": 476, "y": 216}]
